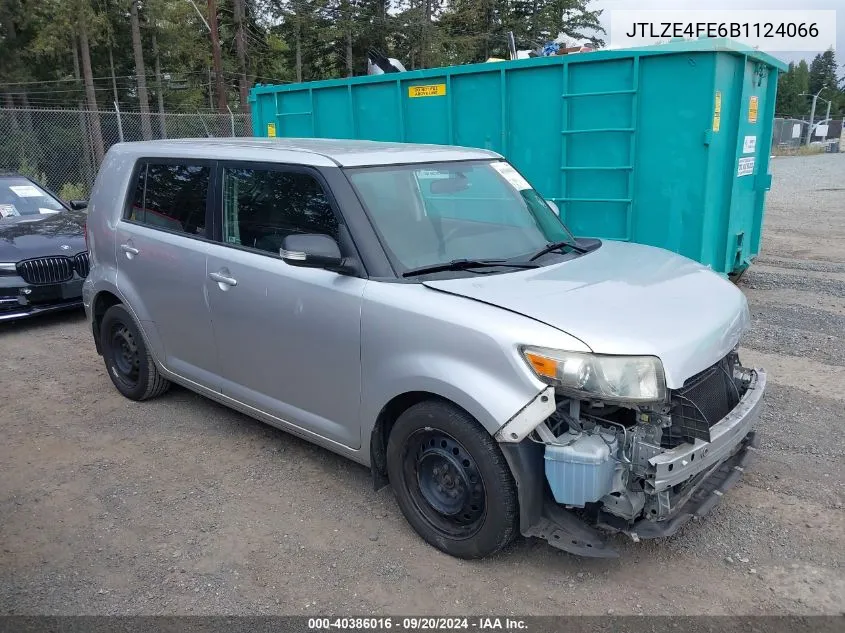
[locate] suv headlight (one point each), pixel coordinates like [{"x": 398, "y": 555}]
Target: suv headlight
[
  {"x": 598, "y": 377},
  {"x": 8, "y": 268}
]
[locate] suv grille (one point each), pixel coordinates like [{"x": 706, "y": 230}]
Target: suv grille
[
  {"x": 46, "y": 270},
  {"x": 704, "y": 399},
  {"x": 82, "y": 264}
]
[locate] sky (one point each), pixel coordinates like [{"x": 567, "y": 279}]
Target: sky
[{"x": 838, "y": 5}]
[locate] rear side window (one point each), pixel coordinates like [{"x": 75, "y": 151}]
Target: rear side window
[
  {"x": 261, "y": 207},
  {"x": 171, "y": 196}
]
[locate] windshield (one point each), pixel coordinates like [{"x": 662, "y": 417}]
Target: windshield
[
  {"x": 19, "y": 196},
  {"x": 440, "y": 212}
]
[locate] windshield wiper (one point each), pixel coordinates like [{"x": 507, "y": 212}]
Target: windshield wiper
[
  {"x": 553, "y": 246},
  {"x": 465, "y": 264}
]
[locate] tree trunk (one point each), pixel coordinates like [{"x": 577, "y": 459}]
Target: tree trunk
[
  {"x": 87, "y": 168},
  {"x": 159, "y": 91},
  {"x": 298, "y": 49},
  {"x": 346, "y": 22},
  {"x": 90, "y": 93},
  {"x": 216, "y": 56},
  {"x": 140, "y": 71},
  {"x": 425, "y": 43},
  {"x": 13, "y": 116},
  {"x": 243, "y": 81}
]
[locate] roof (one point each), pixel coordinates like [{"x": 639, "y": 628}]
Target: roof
[{"x": 303, "y": 151}]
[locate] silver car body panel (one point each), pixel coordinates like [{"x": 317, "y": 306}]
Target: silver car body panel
[
  {"x": 625, "y": 299},
  {"x": 300, "y": 334}
]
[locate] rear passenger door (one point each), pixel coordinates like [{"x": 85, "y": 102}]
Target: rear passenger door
[
  {"x": 288, "y": 338},
  {"x": 162, "y": 241}
]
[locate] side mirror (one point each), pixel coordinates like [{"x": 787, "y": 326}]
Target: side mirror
[
  {"x": 312, "y": 251},
  {"x": 553, "y": 207},
  {"x": 78, "y": 205}
]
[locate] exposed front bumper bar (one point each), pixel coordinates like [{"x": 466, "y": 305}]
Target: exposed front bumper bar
[{"x": 688, "y": 460}]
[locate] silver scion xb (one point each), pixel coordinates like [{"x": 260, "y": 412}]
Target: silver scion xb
[{"x": 421, "y": 310}]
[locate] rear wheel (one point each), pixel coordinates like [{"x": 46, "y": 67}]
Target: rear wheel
[
  {"x": 451, "y": 480},
  {"x": 128, "y": 361}
]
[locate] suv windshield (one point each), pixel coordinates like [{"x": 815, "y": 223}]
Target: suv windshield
[
  {"x": 436, "y": 213},
  {"x": 19, "y": 196}
]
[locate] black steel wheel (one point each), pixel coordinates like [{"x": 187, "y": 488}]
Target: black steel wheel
[
  {"x": 128, "y": 361},
  {"x": 444, "y": 483},
  {"x": 124, "y": 352},
  {"x": 451, "y": 480}
]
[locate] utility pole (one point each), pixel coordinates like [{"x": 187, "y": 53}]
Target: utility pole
[
  {"x": 216, "y": 56},
  {"x": 812, "y": 113},
  {"x": 240, "y": 41}
]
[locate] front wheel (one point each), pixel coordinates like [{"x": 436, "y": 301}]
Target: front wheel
[
  {"x": 451, "y": 480},
  {"x": 128, "y": 361}
]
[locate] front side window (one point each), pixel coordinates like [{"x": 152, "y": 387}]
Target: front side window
[
  {"x": 261, "y": 207},
  {"x": 172, "y": 197},
  {"x": 21, "y": 196},
  {"x": 436, "y": 213}
]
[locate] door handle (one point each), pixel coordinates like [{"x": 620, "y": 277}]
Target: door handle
[
  {"x": 223, "y": 279},
  {"x": 130, "y": 251}
]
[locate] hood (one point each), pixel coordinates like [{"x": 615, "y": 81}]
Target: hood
[
  {"x": 625, "y": 299},
  {"x": 28, "y": 236}
]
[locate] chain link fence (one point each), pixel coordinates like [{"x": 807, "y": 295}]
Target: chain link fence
[
  {"x": 62, "y": 149},
  {"x": 791, "y": 133}
]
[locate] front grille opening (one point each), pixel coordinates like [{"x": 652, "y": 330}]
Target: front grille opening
[
  {"x": 703, "y": 401},
  {"x": 46, "y": 270},
  {"x": 53, "y": 270},
  {"x": 82, "y": 264}
]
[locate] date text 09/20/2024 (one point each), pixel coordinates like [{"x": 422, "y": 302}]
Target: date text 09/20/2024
[{"x": 417, "y": 623}]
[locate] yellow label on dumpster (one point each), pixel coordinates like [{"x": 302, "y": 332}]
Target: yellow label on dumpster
[
  {"x": 717, "y": 111},
  {"x": 434, "y": 90},
  {"x": 271, "y": 130},
  {"x": 753, "y": 105}
]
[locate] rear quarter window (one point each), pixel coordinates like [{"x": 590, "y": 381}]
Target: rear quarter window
[{"x": 171, "y": 196}]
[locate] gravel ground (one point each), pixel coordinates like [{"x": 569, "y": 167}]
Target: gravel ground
[{"x": 179, "y": 505}]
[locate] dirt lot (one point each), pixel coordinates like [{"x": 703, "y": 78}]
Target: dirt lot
[{"x": 182, "y": 506}]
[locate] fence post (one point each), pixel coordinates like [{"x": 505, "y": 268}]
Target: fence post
[
  {"x": 119, "y": 122},
  {"x": 231, "y": 120}
]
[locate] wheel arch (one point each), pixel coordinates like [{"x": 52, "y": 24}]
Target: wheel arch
[
  {"x": 103, "y": 300},
  {"x": 385, "y": 420}
]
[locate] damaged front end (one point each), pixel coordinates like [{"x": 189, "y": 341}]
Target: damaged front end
[{"x": 639, "y": 467}]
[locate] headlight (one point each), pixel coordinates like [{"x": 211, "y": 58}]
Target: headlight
[
  {"x": 593, "y": 376},
  {"x": 8, "y": 268}
]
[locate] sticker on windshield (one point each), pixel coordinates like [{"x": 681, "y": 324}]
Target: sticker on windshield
[
  {"x": 8, "y": 211},
  {"x": 511, "y": 175},
  {"x": 25, "y": 191},
  {"x": 431, "y": 174}
]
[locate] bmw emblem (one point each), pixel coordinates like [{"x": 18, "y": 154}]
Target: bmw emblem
[{"x": 64, "y": 247}]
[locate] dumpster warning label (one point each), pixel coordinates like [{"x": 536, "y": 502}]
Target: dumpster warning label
[
  {"x": 271, "y": 130},
  {"x": 753, "y": 105},
  {"x": 749, "y": 144},
  {"x": 746, "y": 167},
  {"x": 717, "y": 111},
  {"x": 434, "y": 90}
]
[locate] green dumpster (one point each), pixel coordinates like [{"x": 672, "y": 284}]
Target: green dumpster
[{"x": 665, "y": 145}]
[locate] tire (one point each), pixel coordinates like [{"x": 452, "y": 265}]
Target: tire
[
  {"x": 451, "y": 481},
  {"x": 128, "y": 361}
]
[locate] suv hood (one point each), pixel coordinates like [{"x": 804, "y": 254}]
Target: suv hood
[{"x": 625, "y": 299}]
